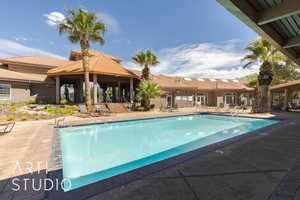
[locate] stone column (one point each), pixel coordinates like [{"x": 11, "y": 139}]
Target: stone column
[
  {"x": 57, "y": 90},
  {"x": 131, "y": 90},
  {"x": 95, "y": 89}
]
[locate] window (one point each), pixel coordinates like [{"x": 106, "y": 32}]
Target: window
[
  {"x": 178, "y": 98},
  {"x": 190, "y": 98},
  {"x": 5, "y": 91},
  {"x": 229, "y": 99}
]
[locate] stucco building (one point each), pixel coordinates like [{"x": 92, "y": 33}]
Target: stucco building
[{"x": 27, "y": 78}]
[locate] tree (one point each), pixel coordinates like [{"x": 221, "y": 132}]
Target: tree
[
  {"x": 84, "y": 27},
  {"x": 146, "y": 59},
  {"x": 252, "y": 81},
  {"x": 283, "y": 72},
  {"x": 264, "y": 54},
  {"x": 148, "y": 90}
]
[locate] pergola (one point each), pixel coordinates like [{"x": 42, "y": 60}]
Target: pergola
[
  {"x": 104, "y": 73},
  {"x": 278, "y": 21}
]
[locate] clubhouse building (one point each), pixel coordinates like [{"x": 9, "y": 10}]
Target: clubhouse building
[{"x": 25, "y": 78}]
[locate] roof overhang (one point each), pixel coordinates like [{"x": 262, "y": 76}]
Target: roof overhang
[
  {"x": 6, "y": 62},
  {"x": 91, "y": 72},
  {"x": 279, "y": 23}
]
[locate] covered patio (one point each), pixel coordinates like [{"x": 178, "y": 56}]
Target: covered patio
[
  {"x": 110, "y": 81},
  {"x": 286, "y": 96}
]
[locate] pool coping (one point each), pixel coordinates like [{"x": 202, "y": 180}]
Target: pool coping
[{"x": 55, "y": 163}]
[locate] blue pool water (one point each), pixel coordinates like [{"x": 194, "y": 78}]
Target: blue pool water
[{"x": 95, "y": 152}]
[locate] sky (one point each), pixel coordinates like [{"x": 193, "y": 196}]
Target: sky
[{"x": 193, "y": 38}]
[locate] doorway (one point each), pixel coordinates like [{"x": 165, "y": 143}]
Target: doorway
[
  {"x": 200, "y": 100},
  {"x": 169, "y": 101}
]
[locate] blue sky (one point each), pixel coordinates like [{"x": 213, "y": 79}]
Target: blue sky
[{"x": 191, "y": 37}]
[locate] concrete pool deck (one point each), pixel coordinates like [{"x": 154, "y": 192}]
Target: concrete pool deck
[{"x": 257, "y": 167}]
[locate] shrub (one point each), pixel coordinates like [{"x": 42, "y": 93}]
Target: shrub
[
  {"x": 12, "y": 108},
  {"x": 140, "y": 108},
  {"x": 32, "y": 101},
  {"x": 11, "y": 118},
  {"x": 68, "y": 110},
  {"x": 64, "y": 102},
  {"x": 24, "y": 118},
  {"x": 37, "y": 117}
]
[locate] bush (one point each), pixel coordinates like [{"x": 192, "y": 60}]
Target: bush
[
  {"x": 140, "y": 108},
  {"x": 64, "y": 102},
  {"x": 11, "y": 118},
  {"x": 24, "y": 118},
  {"x": 68, "y": 110},
  {"x": 32, "y": 101},
  {"x": 37, "y": 117},
  {"x": 12, "y": 108}
]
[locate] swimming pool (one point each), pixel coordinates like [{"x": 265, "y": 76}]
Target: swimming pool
[{"x": 91, "y": 153}]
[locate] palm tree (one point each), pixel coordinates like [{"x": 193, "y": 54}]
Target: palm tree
[
  {"x": 147, "y": 90},
  {"x": 84, "y": 27},
  {"x": 264, "y": 54},
  {"x": 146, "y": 59}
]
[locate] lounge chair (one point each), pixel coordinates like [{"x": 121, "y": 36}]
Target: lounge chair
[
  {"x": 6, "y": 127},
  {"x": 101, "y": 109},
  {"x": 58, "y": 120}
]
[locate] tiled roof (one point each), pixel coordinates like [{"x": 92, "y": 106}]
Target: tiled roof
[
  {"x": 200, "y": 84},
  {"x": 35, "y": 60},
  {"x": 284, "y": 85},
  {"x": 93, "y": 52},
  {"x": 99, "y": 64},
  {"x": 18, "y": 76}
]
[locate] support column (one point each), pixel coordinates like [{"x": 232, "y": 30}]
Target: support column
[
  {"x": 270, "y": 100},
  {"x": 119, "y": 91},
  {"x": 57, "y": 90},
  {"x": 95, "y": 88},
  {"x": 286, "y": 99},
  {"x": 80, "y": 89},
  {"x": 131, "y": 90}
]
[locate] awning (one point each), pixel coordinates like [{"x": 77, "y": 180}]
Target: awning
[{"x": 276, "y": 21}]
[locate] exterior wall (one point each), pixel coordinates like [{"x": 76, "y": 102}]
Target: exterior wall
[
  {"x": 19, "y": 92},
  {"x": 43, "y": 92},
  {"x": 25, "y": 91},
  {"x": 211, "y": 99},
  {"x": 185, "y": 98}
]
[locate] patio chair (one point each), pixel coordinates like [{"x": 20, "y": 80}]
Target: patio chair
[
  {"x": 6, "y": 128},
  {"x": 164, "y": 109},
  {"x": 82, "y": 109}
]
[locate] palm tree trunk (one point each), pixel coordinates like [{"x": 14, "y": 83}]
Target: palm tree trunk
[
  {"x": 146, "y": 73},
  {"x": 85, "y": 64},
  {"x": 263, "y": 101},
  {"x": 265, "y": 78}
]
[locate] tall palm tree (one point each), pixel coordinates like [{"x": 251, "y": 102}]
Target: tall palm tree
[
  {"x": 264, "y": 54},
  {"x": 146, "y": 59},
  {"x": 84, "y": 27},
  {"x": 147, "y": 90}
]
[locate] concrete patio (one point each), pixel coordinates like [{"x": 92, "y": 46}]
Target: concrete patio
[{"x": 263, "y": 166}]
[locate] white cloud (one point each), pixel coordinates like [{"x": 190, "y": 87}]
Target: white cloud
[
  {"x": 111, "y": 22},
  {"x": 24, "y": 39},
  {"x": 212, "y": 60},
  {"x": 9, "y": 48},
  {"x": 54, "y": 18}
]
